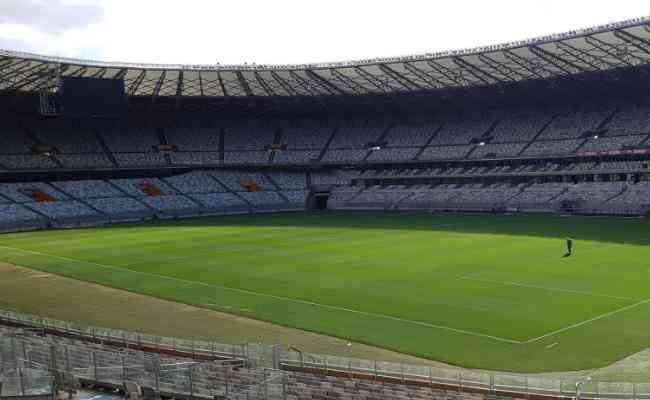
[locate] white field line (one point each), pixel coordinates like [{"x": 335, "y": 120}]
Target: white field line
[
  {"x": 596, "y": 318},
  {"x": 370, "y": 314},
  {"x": 550, "y": 289}
]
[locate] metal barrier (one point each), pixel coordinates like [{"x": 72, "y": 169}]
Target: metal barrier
[{"x": 136, "y": 363}]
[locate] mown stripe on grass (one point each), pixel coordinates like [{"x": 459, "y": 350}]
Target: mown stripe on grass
[{"x": 288, "y": 299}]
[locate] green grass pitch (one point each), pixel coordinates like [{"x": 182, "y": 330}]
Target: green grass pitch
[{"x": 473, "y": 290}]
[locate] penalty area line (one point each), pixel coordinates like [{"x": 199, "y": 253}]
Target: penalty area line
[
  {"x": 550, "y": 289},
  {"x": 590, "y": 320},
  {"x": 282, "y": 298}
]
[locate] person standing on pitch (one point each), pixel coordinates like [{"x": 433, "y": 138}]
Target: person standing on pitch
[{"x": 569, "y": 246}]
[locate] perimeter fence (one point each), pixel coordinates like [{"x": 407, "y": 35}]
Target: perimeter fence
[{"x": 176, "y": 366}]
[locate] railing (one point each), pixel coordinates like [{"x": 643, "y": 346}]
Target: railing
[
  {"x": 266, "y": 357},
  {"x": 21, "y": 379}
]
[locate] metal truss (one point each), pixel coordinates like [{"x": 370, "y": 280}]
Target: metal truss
[
  {"x": 567, "y": 67},
  {"x": 406, "y": 82},
  {"x": 120, "y": 74},
  {"x": 534, "y": 68},
  {"x": 373, "y": 80},
  {"x": 263, "y": 84},
  {"x": 306, "y": 85},
  {"x": 100, "y": 73},
  {"x": 157, "y": 87},
  {"x": 596, "y": 63},
  {"x": 287, "y": 88},
  {"x": 244, "y": 84},
  {"x": 327, "y": 85},
  {"x": 506, "y": 70},
  {"x": 431, "y": 81},
  {"x": 136, "y": 83},
  {"x": 348, "y": 82},
  {"x": 223, "y": 87},
  {"x": 15, "y": 73},
  {"x": 455, "y": 77},
  {"x": 179, "y": 85},
  {"x": 485, "y": 77},
  {"x": 634, "y": 40}
]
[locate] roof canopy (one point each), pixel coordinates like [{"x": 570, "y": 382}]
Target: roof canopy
[{"x": 604, "y": 48}]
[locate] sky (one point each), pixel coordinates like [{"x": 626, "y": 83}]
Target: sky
[{"x": 286, "y": 31}]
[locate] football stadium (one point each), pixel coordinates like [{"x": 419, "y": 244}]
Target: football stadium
[{"x": 468, "y": 224}]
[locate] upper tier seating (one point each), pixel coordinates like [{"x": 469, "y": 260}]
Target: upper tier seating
[
  {"x": 523, "y": 131},
  {"x": 356, "y": 137},
  {"x": 191, "y": 136},
  {"x": 573, "y": 124},
  {"x": 521, "y": 126},
  {"x": 308, "y": 138},
  {"x": 413, "y": 135},
  {"x": 462, "y": 131},
  {"x": 247, "y": 138}
]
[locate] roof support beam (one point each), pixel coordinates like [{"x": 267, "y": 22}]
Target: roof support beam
[
  {"x": 505, "y": 69},
  {"x": 371, "y": 79},
  {"x": 483, "y": 76},
  {"x": 451, "y": 75},
  {"x": 121, "y": 73},
  {"x": 264, "y": 84},
  {"x": 31, "y": 78},
  {"x": 560, "y": 63},
  {"x": 585, "y": 57},
  {"x": 179, "y": 84},
  {"x": 136, "y": 82},
  {"x": 303, "y": 83},
  {"x": 223, "y": 87},
  {"x": 100, "y": 73},
  {"x": 244, "y": 84},
  {"x": 79, "y": 72},
  {"x": 159, "y": 84},
  {"x": 347, "y": 81},
  {"x": 287, "y": 88},
  {"x": 20, "y": 65},
  {"x": 179, "y": 89},
  {"x": 613, "y": 51},
  {"x": 24, "y": 68},
  {"x": 407, "y": 83},
  {"x": 6, "y": 62},
  {"x": 634, "y": 40},
  {"x": 327, "y": 85},
  {"x": 431, "y": 81},
  {"x": 201, "y": 83},
  {"x": 527, "y": 65}
]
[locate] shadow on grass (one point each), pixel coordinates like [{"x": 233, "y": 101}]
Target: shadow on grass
[{"x": 635, "y": 231}]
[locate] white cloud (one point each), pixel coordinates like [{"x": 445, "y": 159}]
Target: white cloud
[
  {"x": 288, "y": 31},
  {"x": 53, "y": 16}
]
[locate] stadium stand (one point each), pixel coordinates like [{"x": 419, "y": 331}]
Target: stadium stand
[{"x": 417, "y": 137}]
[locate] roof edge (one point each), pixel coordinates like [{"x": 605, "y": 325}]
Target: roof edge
[{"x": 643, "y": 20}]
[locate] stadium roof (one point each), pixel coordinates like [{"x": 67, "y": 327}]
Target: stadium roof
[{"x": 604, "y": 48}]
